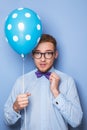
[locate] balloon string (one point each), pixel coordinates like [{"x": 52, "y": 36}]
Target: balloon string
[
  {"x": 23, "y": 76},
  {"x": 23, "y": 90}
]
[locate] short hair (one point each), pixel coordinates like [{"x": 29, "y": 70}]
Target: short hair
[{"x": 48, "y": 38}]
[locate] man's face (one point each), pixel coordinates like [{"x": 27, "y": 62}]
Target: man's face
[{"x": 44, "y": 56}]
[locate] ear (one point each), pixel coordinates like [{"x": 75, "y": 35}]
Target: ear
[{"x": 56, "y": 54}]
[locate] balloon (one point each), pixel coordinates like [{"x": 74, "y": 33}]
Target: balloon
[{"x": 23, "y": 29}]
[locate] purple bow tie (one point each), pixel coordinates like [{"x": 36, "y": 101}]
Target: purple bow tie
[{"x": 39, "y": 74}]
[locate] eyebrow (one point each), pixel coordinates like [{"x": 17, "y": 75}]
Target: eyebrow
[{"x": 45, "y": 50}]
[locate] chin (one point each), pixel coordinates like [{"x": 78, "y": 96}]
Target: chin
[{"x": 44, "y": 69}]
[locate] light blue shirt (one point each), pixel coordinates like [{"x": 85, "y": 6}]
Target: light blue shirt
[{"x": 45, "y": 112}]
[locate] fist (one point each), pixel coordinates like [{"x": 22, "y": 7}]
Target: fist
[
  {"x": 21, "y": 102},
  {"x": 54, "y": 83}
]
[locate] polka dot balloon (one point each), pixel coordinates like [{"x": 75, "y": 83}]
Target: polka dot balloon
[{"x": 23, "y": 29}]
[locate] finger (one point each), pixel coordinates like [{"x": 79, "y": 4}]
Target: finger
[
  {"x": 24, "y": 99},
  {"x": 54, "y": 75},
  {"x": 28, "y": 94},
  {"x": 24, "y": 95},
  {"x": 23, "y": 105},
  {"x": 21, "y": 99},
  {"x": 24, "y": 102}
]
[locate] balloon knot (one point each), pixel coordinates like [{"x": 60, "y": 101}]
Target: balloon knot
[{"x": 22, "y": 55}]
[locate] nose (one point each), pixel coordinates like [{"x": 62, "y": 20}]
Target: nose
[{"x": 43, "y": 57}]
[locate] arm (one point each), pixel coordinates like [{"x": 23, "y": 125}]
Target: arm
[
  {"x": 15, "y": 103},
  {"x": 10, "y": 115},
  {"x": 68, "y": 104}
]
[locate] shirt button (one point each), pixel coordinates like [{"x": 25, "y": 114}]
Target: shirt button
[{"x": 56, "y": 102}]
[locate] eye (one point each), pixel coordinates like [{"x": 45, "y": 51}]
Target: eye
[
  {"x": 49, "y": 53},
  {"x": 37, "y": 53}
]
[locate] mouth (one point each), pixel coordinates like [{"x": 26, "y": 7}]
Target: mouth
[{"x": 42, "y": 65}]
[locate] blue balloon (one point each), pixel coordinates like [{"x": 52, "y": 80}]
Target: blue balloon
[{"x": 23, "y": 29}]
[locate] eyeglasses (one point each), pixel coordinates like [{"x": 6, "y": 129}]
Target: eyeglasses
[{"x": 47, "y": 55}]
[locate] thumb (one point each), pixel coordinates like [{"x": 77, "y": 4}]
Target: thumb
[{"x": 28, "y": 94}]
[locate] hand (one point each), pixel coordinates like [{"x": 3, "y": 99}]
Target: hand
[
  {"x": 54, "y": 82},
  {"x": 21, "y": 102}
]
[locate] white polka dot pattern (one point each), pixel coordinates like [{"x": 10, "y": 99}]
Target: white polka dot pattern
[{"x": 23, "y": 28}]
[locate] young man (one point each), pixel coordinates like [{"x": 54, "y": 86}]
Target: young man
[{"x": 50, "y": 96}]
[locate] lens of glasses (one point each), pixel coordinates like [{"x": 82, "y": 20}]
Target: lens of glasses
[
  {"x": 47, "y": 55},
  {"x": 37, "y": 55}
]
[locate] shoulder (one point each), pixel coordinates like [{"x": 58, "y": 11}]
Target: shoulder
[{"x": 28, "y": 75}]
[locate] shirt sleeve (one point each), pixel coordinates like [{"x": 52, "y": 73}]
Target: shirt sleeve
[
  {"x": 69, "y": 105},
  {"x": 10, "y": 116}
]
